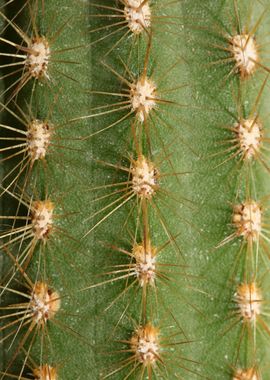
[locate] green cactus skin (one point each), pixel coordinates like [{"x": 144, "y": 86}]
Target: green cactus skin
[{"x": 198, "y": 298}]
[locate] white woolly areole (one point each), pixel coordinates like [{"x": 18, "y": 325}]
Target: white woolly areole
[
  {"x": 145, "y": 344},
  {"x": 42, "y": 219},
  {"x": 138, "y": 15},
  {"x": 144, "y": 178},
  {"x": 145, "y": 268},
  {"x": 247, "y": 218},
  {"x": 148, "y": 350},
  {"x": 44, "y": 303},
  {"x": 245, "y": 52},
  {"x": 249, "y": 300},
  {"x": 38, "y": 58},
  {"x": 249, "y": 133},
  {"x": 40, "y": 307},
  {"x": 143, "y": 95},
  {"x": 248, "y": 374},
  {"x": 38, "y": 139}
]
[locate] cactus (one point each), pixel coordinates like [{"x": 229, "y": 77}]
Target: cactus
[{"x": 134, "y": 198}]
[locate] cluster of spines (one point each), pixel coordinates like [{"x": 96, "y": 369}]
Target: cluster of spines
[
  {"x": 140, "y": 99},
  {"x": 144, "y": 182},
  {"x": 145, "y": 344},
  {"x": 35, "y": 56},
  {"x": 28, "y": 140},
  {"x": 245, "y": 147}
]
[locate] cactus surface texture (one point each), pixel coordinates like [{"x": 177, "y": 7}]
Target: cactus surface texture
[{"x": 134, "y": 197}]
